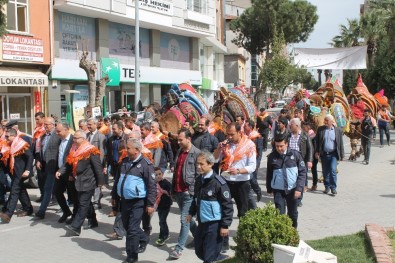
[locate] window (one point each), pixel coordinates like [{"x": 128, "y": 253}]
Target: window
[
  {"x": 17, "y": 15},
  {"x": 200, "y": 6}
]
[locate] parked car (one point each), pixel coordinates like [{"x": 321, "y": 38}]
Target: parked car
[{"x": 279, "y": 103}]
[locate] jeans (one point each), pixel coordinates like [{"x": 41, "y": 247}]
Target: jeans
[
  {"x": 366, "y": 143},
  {"x": 164, "y": 229},
  {"x": 329, "y": 170},
  {"x": 184, "y": 201},
  {"x": 282, "y": 200},
  {"x": 118, "y": 225},
  {"x": 259, "y": 149},
  {"x": 132, "y": 213},
  {"x": 382, "y": 130},
  {"x": 208, "y": 242}
]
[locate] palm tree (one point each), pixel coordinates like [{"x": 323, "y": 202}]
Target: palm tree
[
  {"x": 387, "y": 9},
  {"x": 373, "y": 28},
  {"x": 349, "y": 35}
]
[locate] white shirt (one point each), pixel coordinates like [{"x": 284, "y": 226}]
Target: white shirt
[
  {"x": 62, "y": 148},
  {"x": 248, "y": 163}
]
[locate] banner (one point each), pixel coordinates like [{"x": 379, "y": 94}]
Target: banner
[{"x": 331, "y": 58}]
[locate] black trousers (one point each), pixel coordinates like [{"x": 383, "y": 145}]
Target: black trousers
[
  {"x": 287, "y": 201},
  {"x": 366, "y": 144},
  {"x": 240, "y": 191},
  {"x": 18, "y": 192},
  {"x": 85, "y": 208},
  {"x": 61, "y": 185},
  {"x": 132, "y": 213},
  {"x": 208, "y": 242}
]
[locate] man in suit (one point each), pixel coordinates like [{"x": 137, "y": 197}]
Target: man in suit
[
  {"x": 83, "y": 164},
  {"x": 20, "y": 164},
  {"x": 38, "y": 132},
  {"x": 65, "y": 183},
  {"x": 115, "y": 145},
  {"x": 47, "y": 162},
  {"x": 99, "y": 141},
  {"x": 330, "y": 148}
]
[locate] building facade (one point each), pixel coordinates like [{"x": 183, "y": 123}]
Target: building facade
[
  {"x": 177, "y": 44},
  {"x": 25, "y": 61}
]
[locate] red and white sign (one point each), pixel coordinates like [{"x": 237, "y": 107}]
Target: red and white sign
[
  {"x": 37, "y": 101},
  {"x": 23, "y": 48}
]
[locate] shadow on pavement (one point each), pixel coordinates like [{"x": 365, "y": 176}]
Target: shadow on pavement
[
  {"x": 389, "y": 196},
  {"x": 100, "y": 246}
]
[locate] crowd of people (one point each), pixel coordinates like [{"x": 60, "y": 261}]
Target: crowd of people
[{"x": 211, "y": 166}]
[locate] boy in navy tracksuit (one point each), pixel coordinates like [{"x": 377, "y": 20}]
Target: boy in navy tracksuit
[
  {"x": 286, "y": 177},
  {"x": 214, "y": 209},
  {"x": 163, "y": 202}
]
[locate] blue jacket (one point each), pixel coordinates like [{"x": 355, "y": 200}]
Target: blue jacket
[
  {"x": 137, "y": 180},
  {"x": 212, "y": 201},
  {"x": 285, "y": 172}
]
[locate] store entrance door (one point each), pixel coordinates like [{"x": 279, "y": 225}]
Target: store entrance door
[{"x": 17, "y": 106}]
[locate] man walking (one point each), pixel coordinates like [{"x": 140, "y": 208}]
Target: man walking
[
  {"x": 202, "y": 139},
  {"x": 184, "y": 176},
  {"x": 47, "y": 162},
  {"x": 20, "y": 164},
  {"x": 38, "y": 132},
  {"x": 137, "y": 189},
  {"x": 263, "y": 123},
  {"x": 330, "y": 148},
  {"x": 367, "y": 126},
  {"x": 285, "y": 178},
  {"x": 83, "y": 163}
]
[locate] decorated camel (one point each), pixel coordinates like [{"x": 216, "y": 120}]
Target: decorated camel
[
  {"x": 182, "y": 104},
  {"x": 230, "y": 103},
  {"x": 360, "y": 99}
]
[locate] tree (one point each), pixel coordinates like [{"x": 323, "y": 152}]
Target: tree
[
  {"x": 349, "y": 35},
  {"x": 279, "y": 72},
  {"x": 254, "y": 29},
  {"x": 96, "y": 92},
  {"x": 3, "y": 18}
]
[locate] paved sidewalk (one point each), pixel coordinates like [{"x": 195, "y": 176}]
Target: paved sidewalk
[{"x": 365, "y": 195}]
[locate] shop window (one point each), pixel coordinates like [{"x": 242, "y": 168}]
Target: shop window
[
  {"x": 199, "y": 6},
  {"x": 18, "y": 15}
]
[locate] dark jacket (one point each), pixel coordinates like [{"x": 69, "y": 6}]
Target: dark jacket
[
  {"x": 165, "y": 200},
  {"x": 137, "y": 180},
  {"x": 212, "y": 201},
  {"x": 165, "y": 155},
  {"x": 285, "y": 172},
  {"x": 189, "y": 170},
  {"x": 263, "y": 125},
  {"x": 22, "y": 163},
  {"x": 205, "y": 140},
  {"x": 121, "y": 145},
  {"x": 89, "y": 173},
  {"x": 305, "y": 146},
  {"x": 67, "y": 150},
  {"x": 319, "y": 140}
]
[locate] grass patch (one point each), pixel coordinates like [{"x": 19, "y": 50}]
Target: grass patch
[
  {"x": 348, "y": 249},
  {"x": 391, "y": 235}
]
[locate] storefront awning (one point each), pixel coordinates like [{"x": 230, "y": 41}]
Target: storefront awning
[{"x": 22, "y": 77}]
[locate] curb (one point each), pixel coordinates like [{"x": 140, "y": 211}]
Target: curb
[{"x": 380, "y": 242}]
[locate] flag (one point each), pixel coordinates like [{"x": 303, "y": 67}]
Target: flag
[{"x": 110, "y": 67}]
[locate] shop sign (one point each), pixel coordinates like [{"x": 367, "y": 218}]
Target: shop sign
[
  {"x": 37, "y": 101},
  {"x": 23, "y": 81},
  {"x": 15, "y": 116},
  {"x": 158, "y": 6},
  {"x": 21, "y": 48}
]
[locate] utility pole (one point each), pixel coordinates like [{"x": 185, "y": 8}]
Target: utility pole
[{"x": 137, "y": 55}]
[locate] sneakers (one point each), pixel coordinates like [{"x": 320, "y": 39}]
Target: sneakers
[
  {"x": 175, "y": 254},
  {"x": 326, "y": 190},
  {"x": 365, "y": 162},
  {"x": 334, "y": 192},
  {"x": 162, "y": 241}
]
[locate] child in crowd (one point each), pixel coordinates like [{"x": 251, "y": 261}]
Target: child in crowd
[{"x": 163, "y": 204}]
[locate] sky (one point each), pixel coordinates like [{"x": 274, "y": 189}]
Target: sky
[{"x": 332, "y": 14}]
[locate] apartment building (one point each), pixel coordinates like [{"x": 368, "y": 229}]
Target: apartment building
[{"x": 25, "y": 61}]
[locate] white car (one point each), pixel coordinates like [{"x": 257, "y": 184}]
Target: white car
[{"x": 280, "y": 103}]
